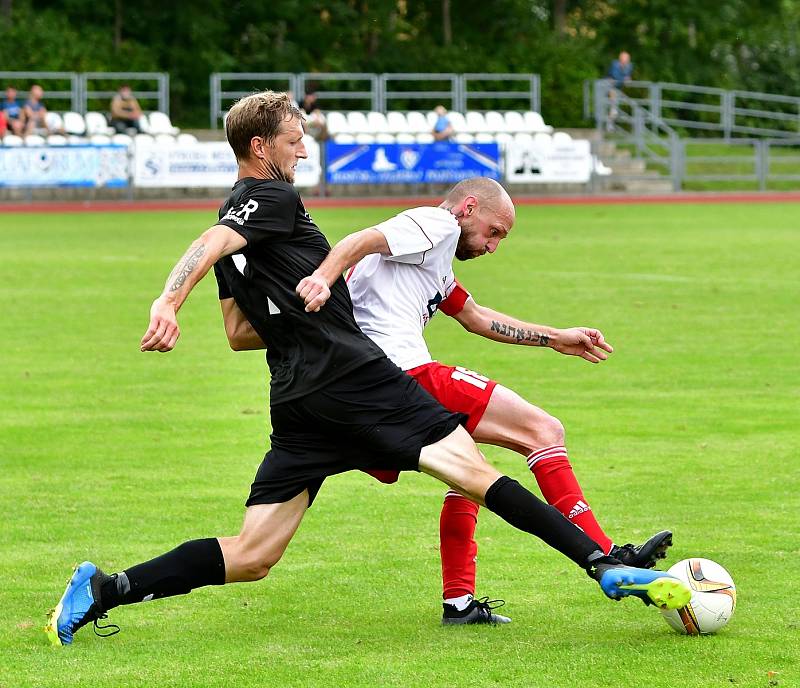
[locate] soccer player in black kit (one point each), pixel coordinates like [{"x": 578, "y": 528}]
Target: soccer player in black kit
[{"x": 336, "y": 402}]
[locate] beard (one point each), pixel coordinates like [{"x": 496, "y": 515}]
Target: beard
[
  {"x": 464, "y": 252},
  {"x": 275, "y": 172}
]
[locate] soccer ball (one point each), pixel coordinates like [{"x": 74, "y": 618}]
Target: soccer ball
[{"x": 713, "y": 597}]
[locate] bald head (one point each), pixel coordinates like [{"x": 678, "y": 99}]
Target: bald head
[{"x": 484, "y": 211}]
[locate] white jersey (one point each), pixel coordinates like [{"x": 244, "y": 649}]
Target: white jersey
[{"x": 395, "y": 296}]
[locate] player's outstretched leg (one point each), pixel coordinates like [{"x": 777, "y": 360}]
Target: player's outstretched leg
[
  {"x": 652, "y": 587},
  {"x": 79, "y": 605},
  {"x": 645, "y": 555}
]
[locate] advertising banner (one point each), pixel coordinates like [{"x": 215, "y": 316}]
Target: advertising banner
[
  {"x": 206, "y": 164},
  {"x": 413, "y": 163},
  {"x": 546, "y": 162},
  {"x": 104, "y": 165}
]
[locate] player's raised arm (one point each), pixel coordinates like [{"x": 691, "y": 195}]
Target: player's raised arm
[
  {"x": 586, "y": 342},
  {"x": 315, "y": 289},
  {"x": 163, "y": 331}
]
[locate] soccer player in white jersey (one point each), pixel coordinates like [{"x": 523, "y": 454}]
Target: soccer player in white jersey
[{"x": 400, "y": 275}]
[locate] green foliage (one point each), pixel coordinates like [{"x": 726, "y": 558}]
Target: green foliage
[{"x": 734, "y": 43}]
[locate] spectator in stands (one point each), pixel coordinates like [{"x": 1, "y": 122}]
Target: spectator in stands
[
  {"x": 315, "y": 123},
  {"x": 443, "y": 127},
  {"x": 14, "y": 113},
  {"x": 125, "y": 111},
  {"x": 36, "y": 112},
  {"x": 3, "y": 123},
  {"x": 620, "y": 75}
]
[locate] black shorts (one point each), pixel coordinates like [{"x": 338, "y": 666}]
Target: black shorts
[{"x": 375, "y": 417}]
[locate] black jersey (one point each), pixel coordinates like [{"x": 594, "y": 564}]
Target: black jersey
[{"x": 305, "y": 351}]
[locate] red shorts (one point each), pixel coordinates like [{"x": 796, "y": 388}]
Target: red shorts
[{"x": 457, "y": 389}]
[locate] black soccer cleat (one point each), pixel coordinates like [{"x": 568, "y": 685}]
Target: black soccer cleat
[
  {"x": 646, "y": 555},
  {"x": 480, "y": 611}
]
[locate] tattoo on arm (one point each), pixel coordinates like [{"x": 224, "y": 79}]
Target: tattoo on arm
[
  {"x": 185, "y": 267},
  {"x": 519, "y": 334}
]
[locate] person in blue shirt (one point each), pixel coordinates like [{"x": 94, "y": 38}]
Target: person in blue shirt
[
  {"x": 442, "y": 128},
  {"x": 621, "y": 70},
  {"x": 14, "y": 113}
]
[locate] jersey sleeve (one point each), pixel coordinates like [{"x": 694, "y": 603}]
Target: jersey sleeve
[
  {"x": 456, "y": 297},
  {"x": 222, "y": 284},
  {"x": 265, "y": 214},
  {"x": 410, "y": 235}
]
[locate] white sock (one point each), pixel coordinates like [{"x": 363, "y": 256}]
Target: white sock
[{"x": 460, "y": 603}]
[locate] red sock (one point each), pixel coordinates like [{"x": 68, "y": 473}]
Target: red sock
[
  {"x": 458, "y": 547},
  {"x": 560, "y": 488}
]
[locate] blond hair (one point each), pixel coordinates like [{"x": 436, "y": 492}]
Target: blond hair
[{"x": 259, "y": 114}]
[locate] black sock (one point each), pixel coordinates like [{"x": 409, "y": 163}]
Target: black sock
[
  {"x": 191, "y": 565},
  {"x": 523, "y": 510}
]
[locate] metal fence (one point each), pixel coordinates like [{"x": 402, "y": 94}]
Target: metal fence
[
  {"x": 689, "y": 107},
  {"x": 384, "y": 92},
  {"x": 98, "y": 88},
  {"x": 63, "y": 87}
]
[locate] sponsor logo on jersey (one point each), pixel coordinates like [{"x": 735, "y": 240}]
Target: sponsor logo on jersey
[{"x": 243, "y": 213}]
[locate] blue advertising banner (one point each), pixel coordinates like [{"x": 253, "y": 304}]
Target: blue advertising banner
[
  {"x": 84, "y": 165},
  {"x": 413, "y": 163}
]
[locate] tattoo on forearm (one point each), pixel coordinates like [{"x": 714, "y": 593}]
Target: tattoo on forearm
[
  {"x": 520, "y": 334},
  {"x": 185, "y": 267}
]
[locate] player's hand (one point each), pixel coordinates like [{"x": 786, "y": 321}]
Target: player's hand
[
  {"x": 163, "y": 331},
  {"x": 585, "y": 342},
  {"x": 314, "y": 291}
]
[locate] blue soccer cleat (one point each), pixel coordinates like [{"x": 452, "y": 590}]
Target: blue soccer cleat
[
  {"x": 650, "y": 586},
  {"x": 79, "y": 605}
]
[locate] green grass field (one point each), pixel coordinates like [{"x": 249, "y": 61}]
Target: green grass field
[{"x": 115, "y": 455}]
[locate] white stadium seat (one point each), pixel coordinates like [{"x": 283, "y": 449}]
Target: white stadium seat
[
  {"x": 73, "y": 140},
  {"x": 96, "y": 124},
  {"x": 534, "y": 122},
  {"x": 464, "y": 137},
  {"x": 397, "y": 122},
  {"x": 503, "y": 138},
  {"x": 122, "y": 140},
  {"x": 143, "y": 139},
  {"x": 337, "y": 123},
  {"x": 515, "y": 123},
  {"x": 358, "y": 122},
  {"x": 418, "y": 123},
  {"x": 100, "y": 139},
  {"x": 542, "y": 139},
  {"x": 475, "y": 123},
  {"x": 54, "y": 121},
  {"x": 425, "y": 137},
  {"x": 405, "y": 137},
  {"x": 35, "y": 140},
  {"x": 144, "y": 123},
  {"x": 385, "y": 138},
  {"x": 377, "y": 123},
  {"x": 561, "y": 138},
  {"x": 191, "y": 138},
  {"x": 160, "y": 124},
  {"x": 74, "y": 124},
  {"x": 344, "y": 138},
  {"x": 523, "y": 138},
  {"x": 495, "y": 121},
  {"x": 365, "y": 138},
  {"x": 12, "y": 140},
  {"x": 57, "y": 140},
  {"x": 458, "y": 121},
  {"x": 484, "y": 137},
  {"x": 164, "y": 139}
]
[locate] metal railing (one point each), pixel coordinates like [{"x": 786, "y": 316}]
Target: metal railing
[
  {"x": 690, "y": 107},
  {"x": 383, "y": 92},
  {"x": 52, "y": 82},
  {"x": 89, "y": 89},
  {"x": 278, "y": 81}
]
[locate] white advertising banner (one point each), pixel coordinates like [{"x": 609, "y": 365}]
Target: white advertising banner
[
  {"x": 84, "y": 165},
  {"x": 206, "y": 164},
  {"x": 547, "y": 162}
]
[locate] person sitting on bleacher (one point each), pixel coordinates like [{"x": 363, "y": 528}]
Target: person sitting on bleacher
[
  {"x": 36, "y": 112},
  {"x": 443, "y": 127},
  {"x": 314, "y": 123},
  {"x": 14, "y": 113},
  {"x": 125, "y": 111}
]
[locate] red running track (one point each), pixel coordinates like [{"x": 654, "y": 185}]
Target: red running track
[{"x": 399, "y": 201}]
